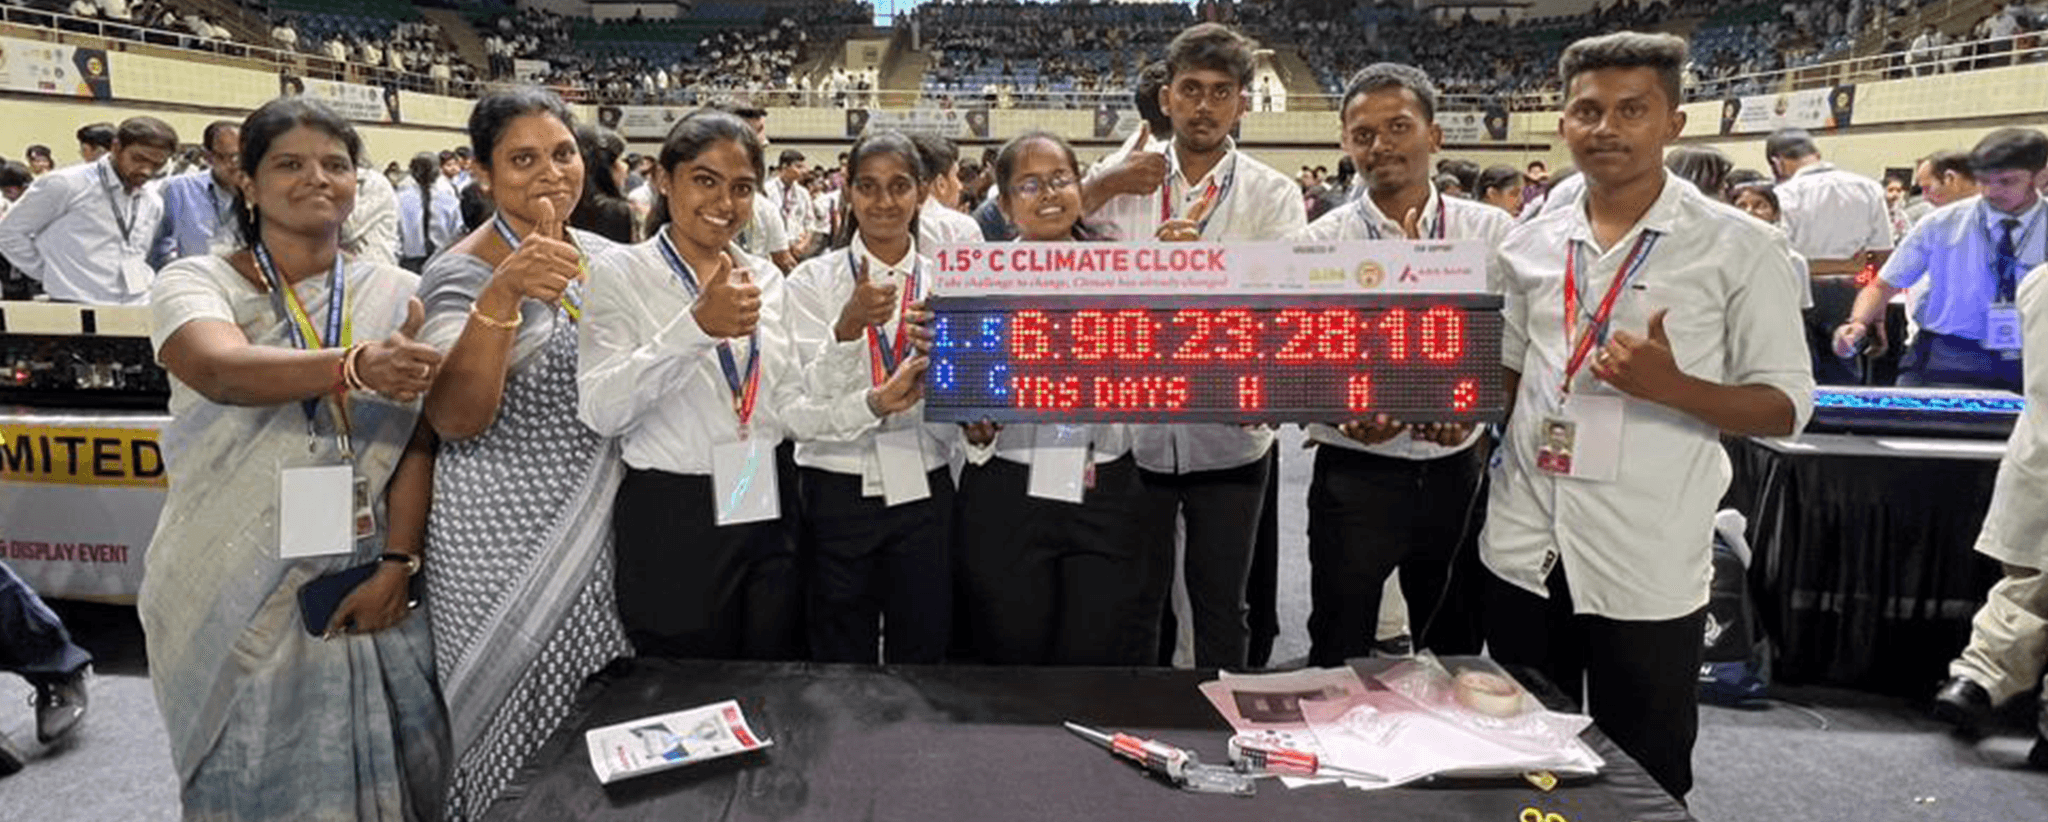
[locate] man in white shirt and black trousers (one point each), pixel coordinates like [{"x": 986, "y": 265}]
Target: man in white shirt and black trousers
[
  {"x": 1396, "y": 493},
  {"x": 1837, "y": 219},
  {"x": 1642, "y": 322},
  {"x": 1214, "y": 475},
  {"x": 85, "y": 231}
]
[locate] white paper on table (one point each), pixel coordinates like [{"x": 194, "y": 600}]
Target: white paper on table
[
  {"x": 1268, "y": 707},
  {"x": 672, "y": 740}
]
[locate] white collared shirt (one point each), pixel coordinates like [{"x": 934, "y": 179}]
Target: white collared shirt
[
  {"x": 371, "y": 231},
  {"x": 938, "y": 225},
  {"x": 64, "y": 232},
  {"x": 2016, "y": 525},
  {"x": 650, "y": 376},
  {"x": 1359, "y": 220},
  {"x": 1831, "y": 214},
  {"x": 1254, "y": 202},
  {"x": 763, "y": 235},
  {"x": 1638, "y": 548},
  {"x": 818, "y": 289}
]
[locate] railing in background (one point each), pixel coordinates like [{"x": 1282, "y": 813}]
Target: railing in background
[{"x": 121, "y": 36}]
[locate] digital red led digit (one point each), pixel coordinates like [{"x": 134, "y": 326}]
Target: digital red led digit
[{"x": 1256, "y": 358}]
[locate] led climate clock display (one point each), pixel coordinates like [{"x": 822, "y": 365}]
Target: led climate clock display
[{"x": 1215, "y": 358}]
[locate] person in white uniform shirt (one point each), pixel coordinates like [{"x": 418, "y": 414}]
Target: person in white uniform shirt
[
  {"x": 1838, "y": 221},
  {"x": 792, "y": 201},
  {"x": 85, "y": 231},
  {"x": 1213, "y": 475},
  {"x": 2009, "y": 635},
  {"x": 1049, "y": 561},
  {"x": 1971, "y": 254},
  {"x": 371, "y": 232},
  {"x": 1395, "y": 493},
  {"x": 686, "y": 356},
  {"x": 879, "y": 509},
  {"x": 1679, "y": 323},
  {"x": 763, "y": 234},
  {"x": 939, "y": 220}
]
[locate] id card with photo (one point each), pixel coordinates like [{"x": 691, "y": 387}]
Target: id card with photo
[
  {"x": 1583, "y": 439},
  {"x": 743, "y": 483},
  {"x": 2002, "y": 331}
]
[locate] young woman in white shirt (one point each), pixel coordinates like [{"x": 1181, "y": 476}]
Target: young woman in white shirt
[
  {"x": 1048, "y": 581},
  {"x": 687, "y": 357},
  {"x": 878, "y": 510}
]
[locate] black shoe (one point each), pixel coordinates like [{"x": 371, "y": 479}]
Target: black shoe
[
  {"x": 60, "y": 706},
  {"x": 2038, "y": 757},
  {"x": 1400, "y": 647},
  {"x": 10, "y": 759},
  {"x": 1962, "y": 703}
]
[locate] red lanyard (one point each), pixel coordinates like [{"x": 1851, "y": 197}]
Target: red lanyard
[
  {"x": 745, "y": 385},
  {"x": 1630, "y": 267},
  {"x": 882, "y": 359}
]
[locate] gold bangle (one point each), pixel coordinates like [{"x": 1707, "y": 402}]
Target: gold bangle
[
  {"x": 493, "y": 322},
  {"x": 349, "y": 374}
]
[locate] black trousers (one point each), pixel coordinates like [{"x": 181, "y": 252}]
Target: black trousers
[
  {"x": 690, "y": 588},
  {"x": 1050, "y": 582},
  {"x": 33, "y": 642},
  {"x": 873, "y": 562},
  {"x": 1369, "y": 515},
  {"x": 1262, "y": 588},
  {"x": 1641, "y": 677},
  {"x": 1222, "y": 511}
]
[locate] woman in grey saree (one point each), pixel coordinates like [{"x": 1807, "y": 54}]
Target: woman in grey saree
[
  {"x": 287, "y": 355},
  {"x": 520, "y": 533}
]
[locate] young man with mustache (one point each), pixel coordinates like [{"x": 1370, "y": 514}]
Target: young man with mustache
[
  {"x": 1643, "y": 319},
  {"x": 1214, "y": 475}
]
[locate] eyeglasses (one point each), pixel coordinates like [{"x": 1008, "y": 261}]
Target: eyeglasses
[{"x": 1033, "y": 186}]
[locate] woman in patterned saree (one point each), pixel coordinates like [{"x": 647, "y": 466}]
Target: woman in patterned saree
[
  {"x": 293, "y": 381},
  {"x": 521, "y": 584}
]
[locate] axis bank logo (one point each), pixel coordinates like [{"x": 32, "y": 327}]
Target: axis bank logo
[{"x": 1414, "y": 274}]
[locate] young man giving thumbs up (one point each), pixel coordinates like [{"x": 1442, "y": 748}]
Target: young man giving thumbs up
[{"x": 1643, "y": 321}]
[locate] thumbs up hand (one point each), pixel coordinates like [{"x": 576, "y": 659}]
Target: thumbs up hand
[
  {"x": 1140, "y": 171},
  {"x": 903, "y": 390},
  {"x": 870, "y": 304},
  {"x": 398, "y": 366},
  {"x": 729, "y": 305},
  {"x": 544, "y": 265},
  {"x": 1642, "y": 368}
]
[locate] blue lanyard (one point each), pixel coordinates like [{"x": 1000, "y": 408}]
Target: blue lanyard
[
  {"x": 299, "y": 326},
  {"x": 744, "y": 386},
  {"x": 887, "y": 356}
]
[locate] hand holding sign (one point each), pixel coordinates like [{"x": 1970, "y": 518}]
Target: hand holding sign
[
  {"x": 903, "y": 390},
  {"x": 1378, "y": 430},
  {"x": 1189, "y": 228},
  {"x": 729, "y": 304}
]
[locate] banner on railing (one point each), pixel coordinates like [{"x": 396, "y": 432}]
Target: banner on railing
[
  {"x": 1814, "y": 108},
  {"x": 1466, "y": 127},
  {"x": 358, "y": 102},
  {"x": 531, "y": 71},
  {"x": 640, "y": 122},
  {"x": 950, "y": 123},
  {"x": 1116, "y": 123},
  {"x": 51, "y": 68}
]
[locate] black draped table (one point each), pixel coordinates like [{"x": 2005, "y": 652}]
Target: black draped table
[
  {"x": 1864, "y": 573},
  {"x": 981, "y": 744}
]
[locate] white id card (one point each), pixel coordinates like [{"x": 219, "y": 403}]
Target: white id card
[
  {"x": 1588, "y": 429},
  {"x": 1059, "y": 462},
  {"x": 2002, "y": 328},
  {"x": 901, "y": 454},
  {"x": 743, "y": 482},
  {"x": 316, "y": 511},
  {"x": 136, "y": 275}
]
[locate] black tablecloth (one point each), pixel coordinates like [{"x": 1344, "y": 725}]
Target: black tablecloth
[
  {"x": 1864, "y": 573},
  {"x": 980, "y": 744}
]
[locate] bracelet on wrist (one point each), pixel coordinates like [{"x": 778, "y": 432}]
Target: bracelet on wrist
[
  {"x": 411, "y": 561},
  {"x": 350, "y": 375},
  {"x": 493, "y": 322}
]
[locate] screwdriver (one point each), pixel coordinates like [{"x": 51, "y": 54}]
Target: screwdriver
[
  {"x": 1251, "y": 753},
  {"x": 1157, "y": 757}
]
